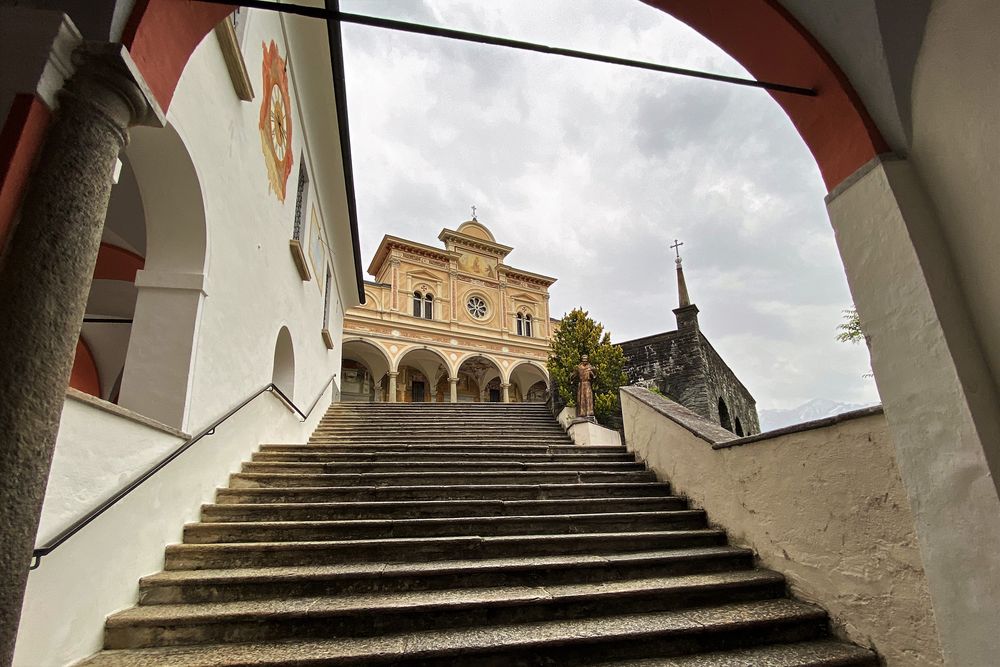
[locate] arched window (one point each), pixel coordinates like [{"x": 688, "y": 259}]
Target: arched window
[
  {"x": 429, "y": 306},
  {"x": 519, "y": 323},
  {"x": 527, "y": 326},
  {"x": 739, "y": 428},
  {"x": 724, "y": 419},
  {"x": 418, "y": 302}
]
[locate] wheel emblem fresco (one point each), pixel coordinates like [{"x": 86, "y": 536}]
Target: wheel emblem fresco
[{"x": 276, "y": 120}]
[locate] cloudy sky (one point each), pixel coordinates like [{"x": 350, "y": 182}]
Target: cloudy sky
[{"x": 590, "y": 171}]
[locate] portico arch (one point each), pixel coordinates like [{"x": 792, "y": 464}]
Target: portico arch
[
  {"x": 420, "y": 371},
  {"x": 524, "y": 379},
  {"x": 170, "y": 289},
  {"x": 481, "y": 380},
  {"x": 364, "y": 369}
]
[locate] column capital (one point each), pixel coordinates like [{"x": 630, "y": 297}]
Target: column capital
[
  {"x": 107, "y": 79},
  {"x": 393, "y": 374},
  {"x": 453, "y": 380}
]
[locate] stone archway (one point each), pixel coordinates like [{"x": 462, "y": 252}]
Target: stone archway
[
  {"x": 418, "y": 375},
  {"x": 480, "y": 380},
  {"x": 283, "y": 366},
  {"x": 170, "y": 289},
  {"x": 364, "y": 372},
  {"x": 528, "y": 383}
]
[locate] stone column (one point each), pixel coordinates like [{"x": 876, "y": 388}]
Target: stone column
[
  {"x": 506, "y": 392},
  {"x": 392, "y": 386},
  {"x": 454, "y": 389},
  {"x": 44, "y": 283}
]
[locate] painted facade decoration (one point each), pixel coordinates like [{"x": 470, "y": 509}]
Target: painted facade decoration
[
  {"x": 442, "y": 325},
  {"x": 276, "y": 120}
]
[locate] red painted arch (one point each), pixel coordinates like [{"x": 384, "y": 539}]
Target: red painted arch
[
  {"x": 161, "y": 35},
  {"x": 84, "y": 375},
  {"x": 768, "y": 41},
  {"x": 114, "y": 263}
]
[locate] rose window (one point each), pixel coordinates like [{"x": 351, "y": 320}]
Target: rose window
[{"x": 476, "y": 307}]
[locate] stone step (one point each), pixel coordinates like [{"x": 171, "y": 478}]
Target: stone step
[
  {"x": 454, "y": 449},
  {"x": 275, "y": 554},
  {"x": 337, "y": 467},
  {"x": 406, "y": 611},
  {"x": 190, "y": 586},
  {"x": 423, "y": 509},
  {"x": 384, "y": 456},
  {"x": 821, "y": 653},
  {"x": 564, "y": 641},
  {"x": 368, "y": 529},
  {"x": 498, "y": 441},
  {"x": 245, "y": 480},
  {"x": 441, "y": 492}
]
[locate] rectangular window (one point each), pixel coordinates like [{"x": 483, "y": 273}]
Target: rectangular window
[
  {"x": 326, "y": 299},
  {"x": 301, "y": 195}
]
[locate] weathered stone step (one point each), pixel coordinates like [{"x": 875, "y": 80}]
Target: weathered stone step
[
  {"x": 441, "y": 492},
  {"x": 191, "y": 586},
  {"x": 566, "y": 641},
  {"x": 374, "y": 614},
  {"x": 422, "y": 509},
  {"x": 335, "y": 467},
  {"x": 491, "y": 455},
  {"x": 274, "y": 554},
  {"x": 255, "y": 480},
  {"x": 363, "y": 529},
  {"x": 822, "y": 653},
  {"x": 498, "y": 441},
  {"x": 454, "y": 449}
]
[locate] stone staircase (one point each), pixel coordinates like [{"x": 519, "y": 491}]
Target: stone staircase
[{"x": 459, "y": 534}]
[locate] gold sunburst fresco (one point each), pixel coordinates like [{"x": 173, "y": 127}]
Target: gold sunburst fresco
[{"x": 276, "y": 120}]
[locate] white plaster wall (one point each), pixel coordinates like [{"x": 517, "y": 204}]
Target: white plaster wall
[
  {"x": 824, "y": 507},
  {"x": 251, "y": 285},
  {"x": 96, "y": 572},
  {"x": 937, "y": 392}
]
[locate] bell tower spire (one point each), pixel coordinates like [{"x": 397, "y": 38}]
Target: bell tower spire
[{"x": 682, "y": 291}]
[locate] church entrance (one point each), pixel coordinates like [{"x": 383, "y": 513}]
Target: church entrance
[
  {"x": 418, "y": 392},
  {"x": 494, "y": 395}
]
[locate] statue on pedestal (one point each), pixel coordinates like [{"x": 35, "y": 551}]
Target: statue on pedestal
[{"x": 584, "y": 393}]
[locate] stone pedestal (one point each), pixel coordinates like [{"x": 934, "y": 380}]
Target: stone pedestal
[{"x": 585, "y": 432}]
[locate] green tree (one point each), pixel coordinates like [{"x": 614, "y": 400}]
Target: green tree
[
  {"x": 576, "y": 336},
  {"x": 850, "y": 328}
]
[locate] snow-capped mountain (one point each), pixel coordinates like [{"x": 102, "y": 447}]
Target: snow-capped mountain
[{"x": 818, "y": 408}]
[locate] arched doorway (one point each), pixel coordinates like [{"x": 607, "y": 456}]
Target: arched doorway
[
  {"x": 528, "y": 383},
  {"x": 147, "y": 289},
  {"x": 419, "y": 375},
  {"x": 364, "y": 370},
  {"x": 283, "y": 367},
  {"x": 479, "y": 381}
]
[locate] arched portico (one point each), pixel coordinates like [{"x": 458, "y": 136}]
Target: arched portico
[
  {"x": 364, "y": 371},
  {"x": 524, "y": 380},
  {"x": 417, "y": 374},
  {"x": 480, "y": 380},
  {"x": 169, "y": 290}
]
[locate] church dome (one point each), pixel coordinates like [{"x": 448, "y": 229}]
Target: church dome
[{"x": 476, "y": 229}]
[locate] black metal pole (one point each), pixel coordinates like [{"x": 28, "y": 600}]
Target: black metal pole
[{"x": 461, "y": 35}]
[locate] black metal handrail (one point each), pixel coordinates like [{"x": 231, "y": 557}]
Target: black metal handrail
[{"x": 77, "y": 526}]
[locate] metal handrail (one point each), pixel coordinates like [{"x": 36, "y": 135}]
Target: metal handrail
[{"x": 80, "y": 524}]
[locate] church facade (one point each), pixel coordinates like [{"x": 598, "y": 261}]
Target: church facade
[{"x": 448, "y": 324}]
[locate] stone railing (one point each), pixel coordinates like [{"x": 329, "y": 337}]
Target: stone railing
[{"x": 820, "y": 502}]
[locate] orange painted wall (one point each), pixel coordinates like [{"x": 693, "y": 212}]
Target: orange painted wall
[
  {"x": 114, "y": 263},
  {"x": 161, "y": 35},
  {"x": 84, "y": 376},
  {"x": 20, "y": 141}
]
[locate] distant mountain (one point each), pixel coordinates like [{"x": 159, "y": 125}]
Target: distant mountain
[{"x": 818, "y": 408}]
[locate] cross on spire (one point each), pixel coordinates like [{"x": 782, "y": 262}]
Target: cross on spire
[
  {"x": 474, "y": 213},
  {"x": 676, "y": 247}
]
